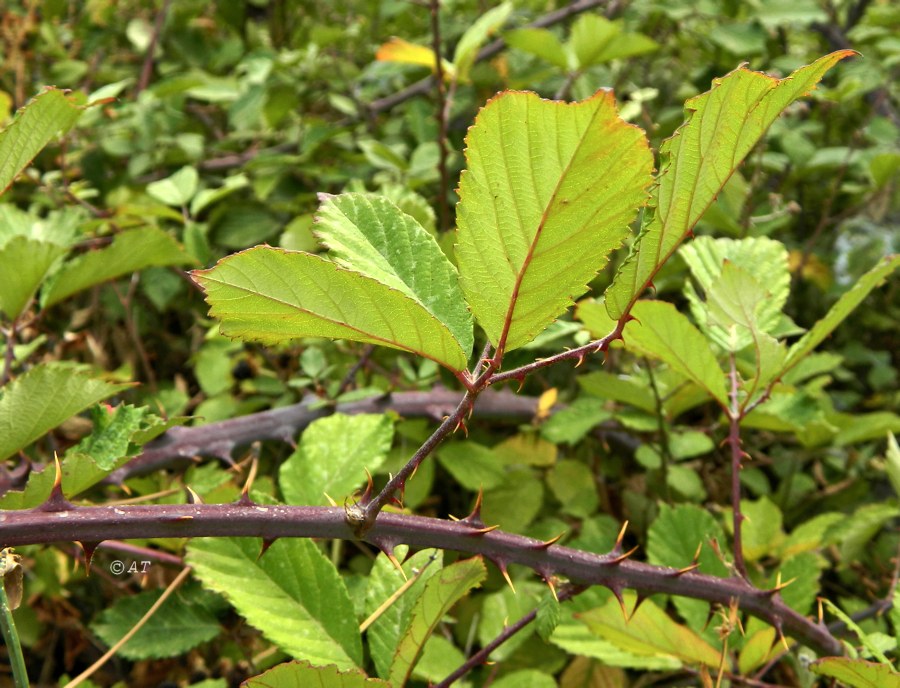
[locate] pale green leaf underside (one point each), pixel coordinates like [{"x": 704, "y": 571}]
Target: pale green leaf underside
[
  {"x": 441, "y": 592},
  {"x": 662, "y": 332},
  {"x": 840, "y": 310},
  {"x": 45, "y": 396},
  {"x": 549, "y": 192},
  {"x": 24, "y": 263},
  {"x": 333, "y": 457},
  {"x": 50, "y": 113},
  {"x": 293, "y": 594},
  {"x": 129, "y": 252},
  {"x": 721, "y": 128},
  {"x": 373, "y": 236},
  {"x": 272, "y": 295},
  {"x": 304, "y": 675}
]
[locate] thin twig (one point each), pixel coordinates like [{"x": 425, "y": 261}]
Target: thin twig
[
  {"x": 666, "y": 453},
  {"x": 9, "y": 356},
  {"x": 441, "y": 112},
  {"x": 147, "y": 69},
  {"x": 482, "y": 655}
]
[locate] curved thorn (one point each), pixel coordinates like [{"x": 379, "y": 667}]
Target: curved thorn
[
  {"x": 474, "y": 517},
  {"x": 192, "y": 497},
  {"x": 330, "y": 500},
  {"x": 622, "y": 557},
  {"x": 248, "y": 483},
  {"x": 56, "y": 501},
  {"x": 552, "y": 541},
  {"x": 686, "y": 569},
  {"x": 618, "y": 546},
  {"x": 266, "y": 543},
  {"x": 88, "y": 548},
  {"x": 482, "y": 531}
]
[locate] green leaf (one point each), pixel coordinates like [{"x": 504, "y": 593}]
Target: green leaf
[
  {"x": 857, "y": 673},
  {"x": 625, "y": 390},
  {"x": 525, "y": 678},
  {"x": 721, "y": 128},
  {"x": 305, "y": 675},
  {"x": 271, "y": 295},
  {"x": 548, "y": 616},
  {"x": 662, "y": 332},
  {"x": 540, "y": 43},
  {"x": 332, "y": 458},
  {"x": 45, "y": 396},
  {"x": 24, "y": 263},
  {"x": 596, "y": 39},
  {"x": 48, "y": 114},
  {"x": 472, "y": 465},
  {"x": 549, "y": 192},
  {"x": 649, "y": 631},
  {"x": 762, "y": 528},
  {"x": 129, "y": 252},
  {"x": 373, "y": 236},
  {"x": 384, "y": 581},
  {"x": 515, "y": 503},
  {"x": 441, "y": 592},
  {"x": 574, "y": 485},
  {"x": 475, "y": 36},
  {"x": 575, "y": 421},
  {"x": 840, "y": 310},
  {"x": 179, "y": 625},
  {"x": 293, "y": 594},
  {"x": 803, "y": 570},
  {"x": 176, "y": 190}
]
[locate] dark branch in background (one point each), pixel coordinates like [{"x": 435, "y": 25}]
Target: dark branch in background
[
  {"x": 220, "y": 439},
  {"x": 493, "y": 48},
  {"x": 58, "y": 520},
  {"x": 147, "y": 69}
]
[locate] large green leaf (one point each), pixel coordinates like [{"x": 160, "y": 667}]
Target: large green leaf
[
  {"x": 24, "y": 263},
  {"x": 293, "y": 594},
  {"x": 840, "y": 310},
  {"x": 305, "y": 675},
  {"x": 721, "y": 128},
  {"x": 129, "y": 252},
  {"x": 373, "y": 236},
  {"x": 271, "y": 295},
  {"x": 48, "y": 114},
  {"x": 662, "y": 332},
  {"x": 857, "y": 673},
  {"x": 44, "y": 397},
  {"x": 333, "y": 455},
  {"x": 549, "y": 192},
  {"x": 441, "y": 592},
  {"x": 649, "y": 631}
]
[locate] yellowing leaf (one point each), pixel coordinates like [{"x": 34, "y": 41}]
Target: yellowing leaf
[
  {"x": 649, "y": 631},
  {"x": 857, "y": 673},
  {"x": 546, "y": 402},
  {"x": 549, "y": 192},
  {"x": 404, "y": 52}
]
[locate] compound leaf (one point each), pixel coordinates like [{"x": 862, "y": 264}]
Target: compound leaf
[
  {"x": 721, "y": 128},
  {"x": 272, "y": 295},
  {"x": 549, "y": 192},
  {"x": 293, "y": 594}
]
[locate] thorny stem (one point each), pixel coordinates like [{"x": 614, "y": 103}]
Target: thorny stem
[
  {"x": 57, "y": 521},
  {"x": 482, "y": 655},
  {"x": 737, "y": 454}
]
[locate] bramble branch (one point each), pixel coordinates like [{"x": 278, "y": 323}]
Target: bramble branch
[{"x": 57, "y": 520}]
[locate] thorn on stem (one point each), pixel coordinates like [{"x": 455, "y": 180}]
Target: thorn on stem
[
  {"x": 266, "y": 543},
  {"x": 57, "y": 500},
  {"x": 88, "y": 548},
  {"x": 618, "y": 546},
  {"x": 548, "y": 543},
  {"x": 192, "y": 497}
]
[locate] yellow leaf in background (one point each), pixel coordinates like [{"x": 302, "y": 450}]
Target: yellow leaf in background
[
  {"x": 404, "y": 52},
  {"x": 546, "y": 402}
]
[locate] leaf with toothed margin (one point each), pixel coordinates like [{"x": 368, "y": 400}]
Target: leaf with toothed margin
[
  {"x": 661, "y": 332},
  {"x": 39, "y": 400},
  {"x": 857, "y": 673},
  {"x": 384, "y": 580},
  {"x": 721, "y": 128},
  {"x": 441, "y": 592},
  {"x": 373, "y": 236},
  {"x": 333, "y": 456},
  {"x": 549, "y": 192},
  {"x": 271, "y": 295},
  {"x": 305, "y": 675},
  {"x": 649, "y": 631},
  {"x": 293, "y": 594}
]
